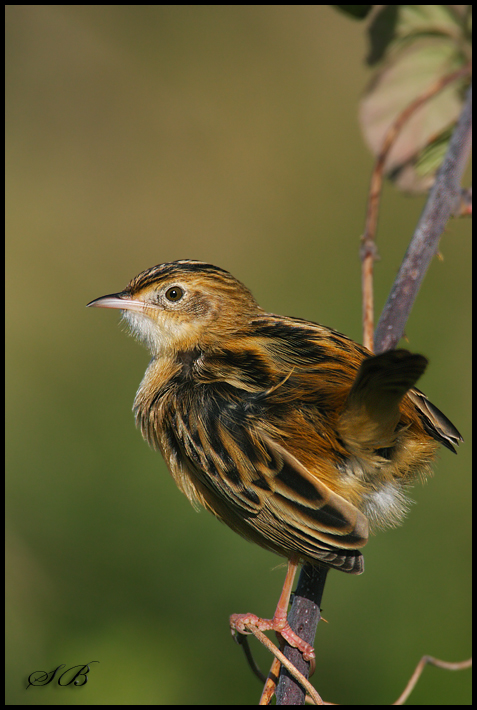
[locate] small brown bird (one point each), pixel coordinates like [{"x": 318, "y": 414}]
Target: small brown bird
[{"x": 292, "y": 434}]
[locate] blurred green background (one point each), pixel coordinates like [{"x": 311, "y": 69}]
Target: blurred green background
[{"x": 226, "y": 133}]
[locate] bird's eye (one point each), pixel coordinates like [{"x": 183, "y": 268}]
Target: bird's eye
[{"x": 174, "y": 294}]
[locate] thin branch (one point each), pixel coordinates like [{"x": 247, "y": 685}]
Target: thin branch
[
  {"x": 242, "y": 640},
  {"x": 429, "y": 660},
  {"x": 271, "y": 683},
  {"x": 299, "y": 677}
]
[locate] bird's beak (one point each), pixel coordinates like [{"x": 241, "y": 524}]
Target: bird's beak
[{"x": 118, "y": 300}]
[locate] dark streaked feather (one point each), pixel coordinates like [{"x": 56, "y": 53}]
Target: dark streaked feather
[
  {"x": 267, "y": 495},
  {"x": 435, "y": 422}
]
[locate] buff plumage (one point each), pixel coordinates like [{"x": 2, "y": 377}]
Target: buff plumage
[{"x": 287, "y": 431}]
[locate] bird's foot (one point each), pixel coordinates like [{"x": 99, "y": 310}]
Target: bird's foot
[{"x": 241, "y": 623}]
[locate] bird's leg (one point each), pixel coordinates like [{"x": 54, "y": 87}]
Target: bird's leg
[{"x": 239, "y": 623}]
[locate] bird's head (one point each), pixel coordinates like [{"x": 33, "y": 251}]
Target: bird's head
[{"x": 182, "y": 305}]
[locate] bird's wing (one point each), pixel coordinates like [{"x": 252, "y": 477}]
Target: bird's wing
[
  {"x": 319, "y": 522},
  {"x": 435, "y": 422},
  {"x": 262, "y": 491}
]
